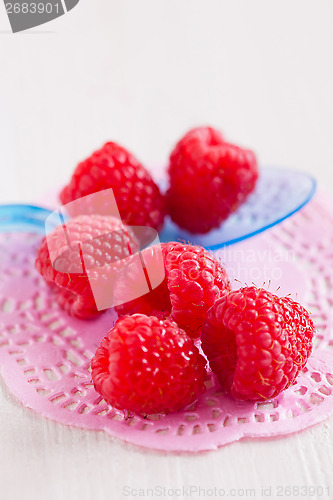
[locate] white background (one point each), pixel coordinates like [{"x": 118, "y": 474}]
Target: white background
[{"x": 142, "y": 72}]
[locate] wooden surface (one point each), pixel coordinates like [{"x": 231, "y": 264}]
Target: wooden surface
[
  {"x": 142, "y": 73},
  {"x": 42, "y": 459}
]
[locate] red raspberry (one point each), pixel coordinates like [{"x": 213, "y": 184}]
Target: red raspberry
[
  {"x": 194, "y": 280},
  {"x": 209, "y": 179},
  {"x": 139, "y": 200},
  {"x": 256, "y": 342},
  {"x": 147, "y": 365},
  {"x": 87, "y": 243}
]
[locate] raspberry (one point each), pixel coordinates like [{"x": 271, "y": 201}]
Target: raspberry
[
  {"x": 139, "y": 200},
  {"x": 85, "y": 244},
  {"x": 194, "y": 280},
  {"x": 256, "y": 342},
  {"x": 148, "y": 366},
  {"x": 209, "y": 179}
]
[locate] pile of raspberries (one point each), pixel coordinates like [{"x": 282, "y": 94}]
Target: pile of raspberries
[{"x": 150, "y": 361}]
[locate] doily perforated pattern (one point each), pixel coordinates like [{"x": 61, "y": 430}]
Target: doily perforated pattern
[{"x": 45, "y": 354}]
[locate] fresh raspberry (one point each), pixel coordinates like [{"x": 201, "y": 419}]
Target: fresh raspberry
[
  {"x": 139, "y": 200},
  {"x": 148, "y": 366},
  {"x": 209, "y": 179},
  {"x": 194, "y": 280},
  {"x": 92, "y": 244},
  {"x": 256, "y": 342}
]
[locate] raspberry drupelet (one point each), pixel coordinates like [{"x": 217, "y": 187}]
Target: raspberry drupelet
[
  {"x": 138, "y": 197},
  {"x": 148, "y": 365},
  {"x": 194, "y": 280},
  {"x": 209, "y": 179},
  {"x": 256, "y": 342},
  {"x": 86, "y": 247}
]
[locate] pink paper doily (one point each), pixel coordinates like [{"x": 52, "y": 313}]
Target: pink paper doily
[{"x": 45, "y": 354}]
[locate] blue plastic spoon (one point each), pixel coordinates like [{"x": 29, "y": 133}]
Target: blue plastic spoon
[{"x": 278, "y": 195}]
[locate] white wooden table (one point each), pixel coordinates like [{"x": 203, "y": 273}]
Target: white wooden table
[{"x": 142, "y": 73}]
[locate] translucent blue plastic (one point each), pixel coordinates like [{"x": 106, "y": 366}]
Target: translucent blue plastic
[
  {"x": 23, "y": 218},
  {"x": 279, "y": 194}
]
